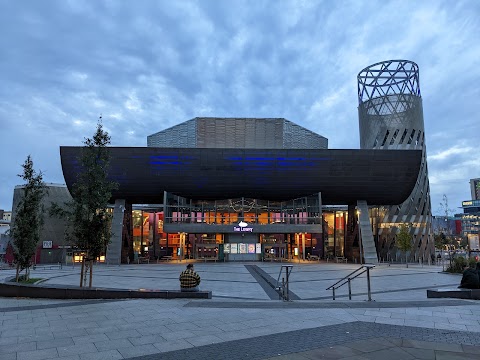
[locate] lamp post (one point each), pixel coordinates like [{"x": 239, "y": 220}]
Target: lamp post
[{"x": 359, "y": 237}]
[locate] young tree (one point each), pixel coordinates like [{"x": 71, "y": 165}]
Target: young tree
[
  {"x": 88, "y": 213},
  {"x": 28, "y": 220},
  {"x": 404, "y": 240},
  {"x": 440, "y": 241}
]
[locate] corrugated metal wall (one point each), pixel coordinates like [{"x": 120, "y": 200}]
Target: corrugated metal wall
[
  {"x": 181, "y": 135},
  {"x": 238, "y": 133}
]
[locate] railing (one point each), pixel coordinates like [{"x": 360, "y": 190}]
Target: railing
[
  {"x": 283, "y": 287},
  {"x": 186, "y": 219},
  {"x": 348, "y": 279}
]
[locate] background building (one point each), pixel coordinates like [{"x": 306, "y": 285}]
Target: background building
[
  {"x": 52, "y": 247},
  {"x": 475, "y": 188},
  {"x": 471, "y": 223},
  {"x": 391, "y": 117},
  {"x": 5, "y": 217}
]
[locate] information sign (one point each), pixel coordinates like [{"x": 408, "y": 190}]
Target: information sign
[{"x": 47, "y": 244}]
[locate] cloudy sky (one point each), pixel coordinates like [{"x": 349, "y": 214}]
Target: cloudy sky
[{"x": 147, "y": 65}]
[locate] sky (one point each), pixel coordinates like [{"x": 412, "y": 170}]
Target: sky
[{"x": 145, "y": 66}]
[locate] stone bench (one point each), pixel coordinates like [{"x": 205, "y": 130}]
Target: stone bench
[
  {"x": 473, "y": 294},
  {"x": 143, "y": 260},
  {"x": 13, "y": 289},
  {"x": 47, "y": 266}
]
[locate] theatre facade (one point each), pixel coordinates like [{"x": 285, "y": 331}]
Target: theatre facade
[
  {"x": 223, "y": 196},
  {"x": 249, "y": 189}
]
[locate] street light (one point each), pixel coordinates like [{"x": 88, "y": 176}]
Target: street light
[{"x": 359, "y": 236}]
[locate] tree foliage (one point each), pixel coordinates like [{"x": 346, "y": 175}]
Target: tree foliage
[
  {"x": 88, "y": 213},
  {"x": 440, "y": 240},
  {"x": 404, "y": 239},
  {"x": 91, "y": 193},
  {"x": 28, "y": 220}
]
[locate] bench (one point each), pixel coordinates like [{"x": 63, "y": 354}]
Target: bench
[
  {"x": 313, "y": 257},
  {"x": 143, "y": 260},
  {"x": 48, "y": 266},
  {"x": 456, "y": 293},
  {"x": 166, "y": 258},
  {"x": 13, "y": 289},
  {"x": 205, "y": 259},
  {"x": 341, "y": 259}
]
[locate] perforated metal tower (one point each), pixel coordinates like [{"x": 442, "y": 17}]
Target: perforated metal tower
[{"x": 391, "y": 117}]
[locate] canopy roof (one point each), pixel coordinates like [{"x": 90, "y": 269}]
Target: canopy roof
[{"x": 381, "y": 177}]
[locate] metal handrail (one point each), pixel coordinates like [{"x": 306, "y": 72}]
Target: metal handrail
[
  {"x": 349, "y": 278},
  {"x": 284, "y": 287}
]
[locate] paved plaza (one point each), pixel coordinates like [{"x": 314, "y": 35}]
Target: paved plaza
[{"x": 245, "y": 318}]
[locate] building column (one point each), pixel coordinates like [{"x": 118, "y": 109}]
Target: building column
[
  {"x": 303, "y": 246},
  {"x": 114, "y": 249}
]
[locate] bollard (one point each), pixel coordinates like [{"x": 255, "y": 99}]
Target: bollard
[{"x": 349, "y": 290}]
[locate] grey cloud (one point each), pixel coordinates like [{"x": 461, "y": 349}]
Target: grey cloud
[{"x": 148, "y": 65}]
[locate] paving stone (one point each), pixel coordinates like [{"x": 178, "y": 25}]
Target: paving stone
[
  {"x": 424, "y": 354},
  {"x": 54, "y": 343},
  {"x": 242, "y": 321},
  {"x": 147, "y": 339},
  {"x": 128, "y": 352},
  {"x": 445, "y": 355},
  {"x": 11, "y": 356},
  {"x": 122, "y": 334},
  {"x": 471, "y": 349},
  {"x": 432, "y": 345},
  {"x": 8, "y": 340},
  {"x": 76, "y": 349},
  {"x": 102, "y": 355},
  {"x": 37, "y": 354},
  {"x": 12, "y": 348},
  {"x": 168, "y": 346},
  {"x": 89, "y": 338}
]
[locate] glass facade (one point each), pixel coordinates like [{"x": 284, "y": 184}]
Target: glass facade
[
  {"x": 334, "y": 234},
  {"x": 305, "y": 210},
  {"x": 238, "y": 229}
]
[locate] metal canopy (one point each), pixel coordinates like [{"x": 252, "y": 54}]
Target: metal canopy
[{"x": 342, "y": 176}]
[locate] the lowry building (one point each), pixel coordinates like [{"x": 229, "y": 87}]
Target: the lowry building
[{"x": 250, "y": 189}]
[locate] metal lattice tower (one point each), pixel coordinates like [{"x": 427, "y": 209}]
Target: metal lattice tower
[{"x": 391, "y": 117}]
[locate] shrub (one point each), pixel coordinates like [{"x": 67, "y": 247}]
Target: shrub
[
  {"x": 457, "y": 265},
  {"x": 472, "y": 262}
]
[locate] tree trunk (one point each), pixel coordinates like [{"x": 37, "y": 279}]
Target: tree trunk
[
  {"x": 81, "y": 271},
  {"x": 18, "y": 272},
  {"x": 91, "y": 274}
]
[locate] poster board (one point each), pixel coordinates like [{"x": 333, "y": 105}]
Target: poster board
[
  {"x": 226, "y": 248},
  {"x": 243, "y": 248}
]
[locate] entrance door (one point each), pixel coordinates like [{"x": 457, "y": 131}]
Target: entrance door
[
  {"x": 245, "y": 246},
  {"x": 275, "y": 252},
  {"x": 207, "y": 251}
]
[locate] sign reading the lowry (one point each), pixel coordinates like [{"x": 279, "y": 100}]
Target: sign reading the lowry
[{"x": 242, "y": 227}]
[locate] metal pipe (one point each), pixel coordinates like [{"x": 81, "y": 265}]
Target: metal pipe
[
  {"x": 349, "y": 289},
  {"x": 282, "y": 292},
  {"x": 287, "y": 295},
  {"x": 368, "y": 283}
]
